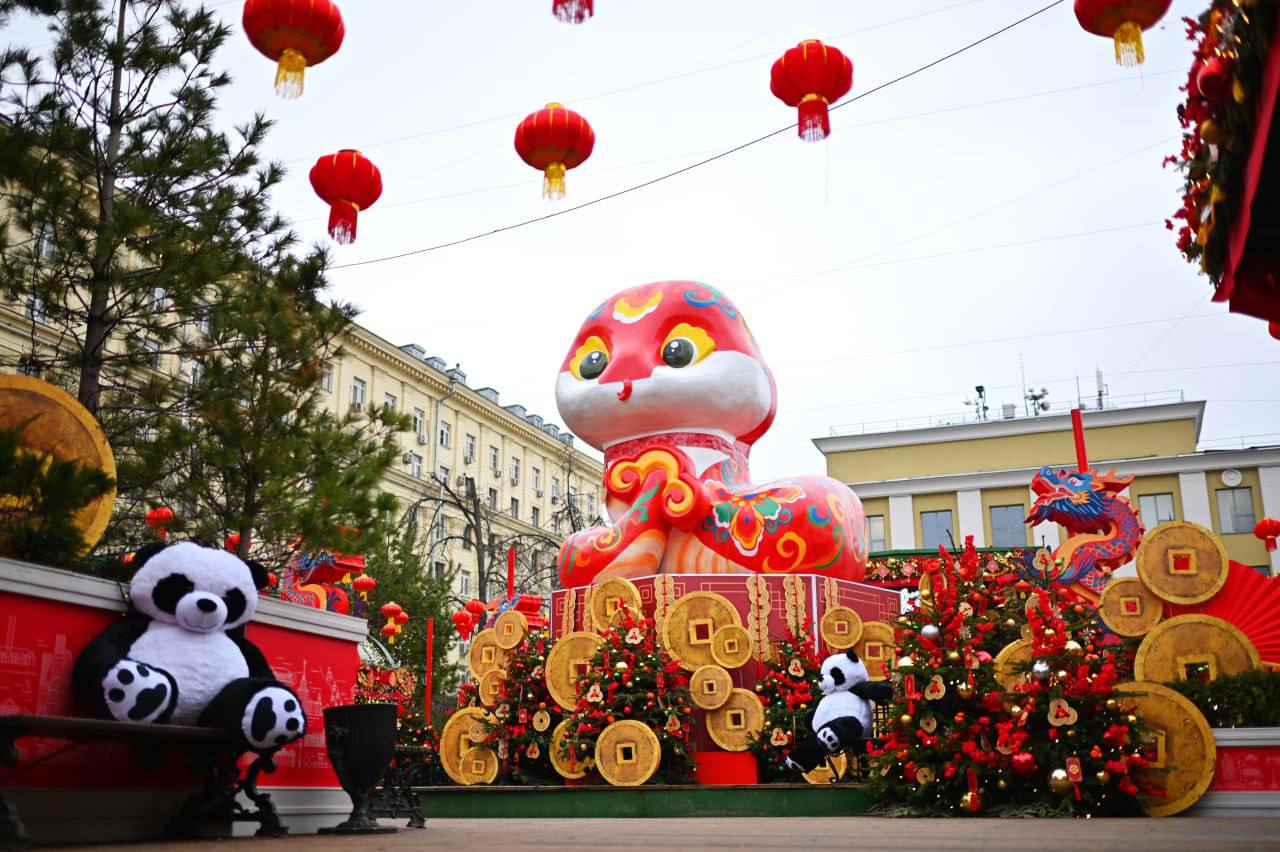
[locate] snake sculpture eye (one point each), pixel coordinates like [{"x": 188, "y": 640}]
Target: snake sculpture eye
[
  {"x": 686, "y": 344},
  {"x": 590, "y": 359}
]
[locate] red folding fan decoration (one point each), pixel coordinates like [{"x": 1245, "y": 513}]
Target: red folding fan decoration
[{"x": 1250, "y": 601}]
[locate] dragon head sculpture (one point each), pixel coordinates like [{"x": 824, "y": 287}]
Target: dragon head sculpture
[{"x": 1076, "y": 499}]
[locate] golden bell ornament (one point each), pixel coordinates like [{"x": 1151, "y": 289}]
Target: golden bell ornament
[
  {"x": 905, "y": 718},
  {"x": 1103, "y": 776},
  {"x": 1059, "y": 782},
  {"x": 971, "y": 802},
  {"x": 1009, "y": 622},
  {"x": 1073, "y": 647},
  {"x": 1111, "y": 704},
  {"x": 1049, "y": 631},
  {"x": 953, "y": 656}
]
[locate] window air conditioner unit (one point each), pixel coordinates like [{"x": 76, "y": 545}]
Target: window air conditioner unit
[
  {"x": 422, "y": 439},
  {"x": 468, "y": 459},
  {"x": 554, "y": 499},
  {"x": 537, "y": 493},
  {"x": 515, "y": 480},
  {"x": 497, "y": 474},
  {"x": 406, "y": 458},
  {"x": 462, "y": 480}
]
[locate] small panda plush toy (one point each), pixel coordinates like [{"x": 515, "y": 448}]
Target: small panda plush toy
[
  {"x": 180, "y": 654},
  {"x": 843, "y": 716}
]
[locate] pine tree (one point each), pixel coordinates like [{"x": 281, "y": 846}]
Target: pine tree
[{"x": 788, "y": 687}]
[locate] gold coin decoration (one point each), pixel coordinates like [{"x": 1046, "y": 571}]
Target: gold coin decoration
[
  {"x": 1129, "y": 608},
  {"x": 541, "y": 721},
  {"x": 732, "y": 646},
  {"x": 569, "y": 660},
  {"x": 559, "y": 759},
  {"x": 62, "y": 430},
  {"x": 1011, "y": 656},
  {"x": 458, "y": 751},
  {"x": 491, "y": 686},
  {"x": 486, "y": 654},
  {"x": 510, "y": 629},
  {"x": 829, "y": 771},
  {"x": 734, "y": 723},
  {"x": 1182, "y": 562},
  {"x": 840, "y": 628},
  {"x": 1185, "y": 750},
  {"x": 710, "y": 686},
  {"x": 876, "y": 647},
  {"x": 479, "y": 766},
  {"x": 610, "y": 597},
  {"x": 627, "y": 753},
  {"x": 691, "y": 625},
  {"x": 1194, "y": 646}
]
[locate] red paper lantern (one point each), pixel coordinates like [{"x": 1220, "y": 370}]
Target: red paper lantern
[
  {"x": 389, "y": 631},
  {"x": 390, "y": 610},
  {"x": 364, "y": 584},
  {"x": 572, "y": 11},
  {"x": 402, "y": 617},
  {"x": 232, "y": 542},
  {"x": 475, "y": 606},
  {"x": 1268, "y": 530},
  {"x": 554, "y": 140},
  {"x": 810, "y": 76},
  {"x": 349, "y": 182},
  {"x": 159, "y": 520},
  {"x": 295, "y": 33},
  {"x": 463, "y": 622},
  {"x": 1123, "y": 21},
  {"x": 1273, "y": 328}
]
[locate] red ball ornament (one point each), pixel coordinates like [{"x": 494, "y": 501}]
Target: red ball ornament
[
  {"x": 232, "y": 542},
  {"x": 553, "y": 140},
  {"x": 348, "y": 182},
  {"x": 1273, "y": 328},
  {"x": 572, "y": 11},
  {"x": 1023, "y": 763},
  {"x": 1214, "y": 80},
  {"x": 810, "y": 76},
  {"x": 402, "y": 617},
  {"x": 295, "y": 33},
  {"x": 1123, "y": 21}
]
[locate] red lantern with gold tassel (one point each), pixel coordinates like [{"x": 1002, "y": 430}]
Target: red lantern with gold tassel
[
  {"x": 572, "y": 11},
  {"x": 811, "y": 76},
  {"x": 1267, "y": 531},
  {"x": 1123, "y": 21},
  {"x": 554, "y": 140},
  {"x": 295, "y": 33},
  {"x": 349, "y": 182},
  {"x": 160, "y": 519}
]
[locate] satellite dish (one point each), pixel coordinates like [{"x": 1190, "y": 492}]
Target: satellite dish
[{"x": 1044, "y": 405}]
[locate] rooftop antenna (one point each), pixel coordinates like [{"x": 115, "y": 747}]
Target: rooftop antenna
[
  {"x": 980, "y": 404},
  {"x": 1038, "y": 400},
  {"x": 1102, "y": 389},
  {"x": 1023, "y": 369}
]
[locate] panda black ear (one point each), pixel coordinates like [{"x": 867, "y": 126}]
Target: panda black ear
[
  {"x": 259, "y": 573},
  {"x": 851, "y": 655},
  {"x": 142, "y": 554}
]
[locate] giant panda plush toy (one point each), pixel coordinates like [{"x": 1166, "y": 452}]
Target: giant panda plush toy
[
  {"x": 180, "y": 654},
  {"x": 843, "y": 716}
]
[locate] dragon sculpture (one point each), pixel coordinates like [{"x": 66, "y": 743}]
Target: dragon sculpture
[{"x": 1104, "y": 529}]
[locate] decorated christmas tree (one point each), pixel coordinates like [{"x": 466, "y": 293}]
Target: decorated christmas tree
[
  {"x": 788, "y": 687},
  {"x": 526, "y": 715}
]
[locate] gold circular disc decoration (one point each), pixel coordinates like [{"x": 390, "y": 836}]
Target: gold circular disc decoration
[
  {"x": 1182, "y": 562},
  {"x": 1129, "y": 608},
  {"x": 459, "y": 757},
  {"x": 559, "y": 760},
  {"x": 876, "y": 646},
  {"x": 732, "y": 646},
  {"x": 1194, "y": 646},
  {"x": 1011, "y": 656},
  {"x": 491, "y": 686},
  {"x": 829, "y": 771},
  {"x": 63, "y": 430},
  {"x": 1185, "y": 751},
  {"x": 510, "y": 629},
  {"x": 710, "y": 686},
  {"x": 486, "y": 654},
  {"x": 735, "y": 722},
  {"x": 691, "y": 624},
  {"x": 611, "y": 596},
  {"x": 627, "y": 753},
  {"x": 569, "y": 660},
  {"x": 840, "y": 628}
]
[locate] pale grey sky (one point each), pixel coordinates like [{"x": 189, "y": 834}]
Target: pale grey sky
[{"x": 876, "y": 269}]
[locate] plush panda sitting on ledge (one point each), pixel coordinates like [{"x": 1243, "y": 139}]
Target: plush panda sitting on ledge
[
  {"x": 180, "y": 654},
  {"x": 843, "y": 716}
]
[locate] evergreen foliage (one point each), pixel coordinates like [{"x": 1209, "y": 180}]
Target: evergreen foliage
[
  {"x": 1246, "y": 700},
  {"x": 524, "y": 706},
  {"x": 788, "y": 687}
]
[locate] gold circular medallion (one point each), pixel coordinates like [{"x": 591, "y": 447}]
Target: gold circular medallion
[
  {"x": 612, "y": 596},
  {"x": 877, "y": 649},
  {"x": 1188, "y": 647},
  {"x": 691, "y": 625},
  {"x": 459, "y": 757},
  {"x": 829, "y": 771},
  {"x": 490, "y": 686},
  {"x": 627, "y": 753},
  {"x": 479, "y": 766},
  {"x": 1129, "y": 608},
  {"x": 1011, "y": 656},
  {"x": 734, "y": 723},
  {"x": 486, "y": 654},
  {"x": 732, "y": 646},
  {"x": 840, "y": 628},
  {"x": 510, "y": 629},
  {"x": 62, "y": 430},
  {"x": 1182, "y": 562},
  {"x": 709, "y": 687},
  {"x": 541, "y": 721},
  {"x": 557, "y": 752},
  {"x": 569, "y": 660},
  {"x": 1185, "y": 750}
]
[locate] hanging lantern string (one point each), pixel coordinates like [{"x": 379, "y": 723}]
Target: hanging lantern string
[{"x": 735, "y": 149}]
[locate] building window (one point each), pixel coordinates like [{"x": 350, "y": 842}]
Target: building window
[
  {"x": 515, "y": 508},
  {"x": 493, "y": 498},
  {"x": 469, "y": 449},
  {"x": 444, "y": 474},
  {"x": 591, "y": 506},
  {"x": 419, "y": 421},
  {"x": 357, "y": 393},
  {"x": 1235, "y": 510},
  {"x": 936, "y": 527},
  {"x": 389, "y": 402},
  {"x": 46, "y": 247},
  {"x": 536, "y": 475},
  {"x": 153, "y": 353},
  {"x": 35, "y": 308},
  {"x": 413, "y": 514},
  {"x": 438, "y": 530},
  {"x": 444, "y": 434},
  {"x": 535, "y": 517},
  {"x": 464, "y": 582},
  {"x": 466, "y": 537},
  {"x": 197, "y": 372},
  {"x": 1155, "y": 509},
  {"x": 1007, "y": 528},
  {"x": 326, "y": 378},
  {"x": 555, "y": 488},
  {"x": 875, "y": 533},
  {"x": 157, "y": 300},
  {"x": 515, "y": 471},
  {"x": 495, "y": 464},
  {"x": 415, "y": 465},
  {"x": 440, "y": 569}
]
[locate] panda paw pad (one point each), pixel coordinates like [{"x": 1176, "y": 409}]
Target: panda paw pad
[
  {"x": 829, "y": 739},
  {"x": 137, "y": 692},
  {"x": 272, "y": 718}
]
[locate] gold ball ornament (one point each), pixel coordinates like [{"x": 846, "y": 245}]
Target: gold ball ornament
[
  {"x": 1059, "y": 782},
  {"x": 971, "y": 802},
  {"x": 905, "y": 718},
  {"x": 906, "y": 663},
  {"x": 964, "y": 690},
  {"x": 1103, "y": 776},
  {"x": 1002, "y": 784},
  {"x": 1073, "y": 647},
  {"x": 1211, "y": 132},
  {"x": 953, "y": 656}
]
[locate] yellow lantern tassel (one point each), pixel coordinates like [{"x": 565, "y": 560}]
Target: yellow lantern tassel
[
  {"x": 1128, "y": 38},
  {"x": 553, "y": 186},
  {"x": 289, "y": 73}
]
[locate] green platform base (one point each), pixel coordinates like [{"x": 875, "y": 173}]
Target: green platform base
[{"x": 799, "y": 800}]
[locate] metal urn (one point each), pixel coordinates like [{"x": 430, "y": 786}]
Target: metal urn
[{"x": 361, "y": 739}]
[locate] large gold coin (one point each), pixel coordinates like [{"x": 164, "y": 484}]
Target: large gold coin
[
  {"x": 491, "y": 686},
  {"x": 460, "y": 758},
  {"x": 559, "y": 759},
  {"x": 627, "y": 753},
  {"x": 1194, "y": 646},
  {"x": 691, "y": 624},
  {"x": 735, "y": 722},
  {"x": 1129, "y": 608},
  {"x": 486, "y": 654},
  {"x": 510, "y": 629},
  {"x": 569, "y": 660},
  {"x": 64, "y": 430},
  {"x": 611, "y": 596},
  {"x": 1008, "y": 660},
  {"x": 1185, "y": 749},
  {"x": 876, "y": 647},
  {"x": 829, "y": 771},
  {"x": 732, "y": 646},
  {"x": 840, "y": 628},
  {"x": 1182, "y": 562},
  {"x": 709, "y": 687}
]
